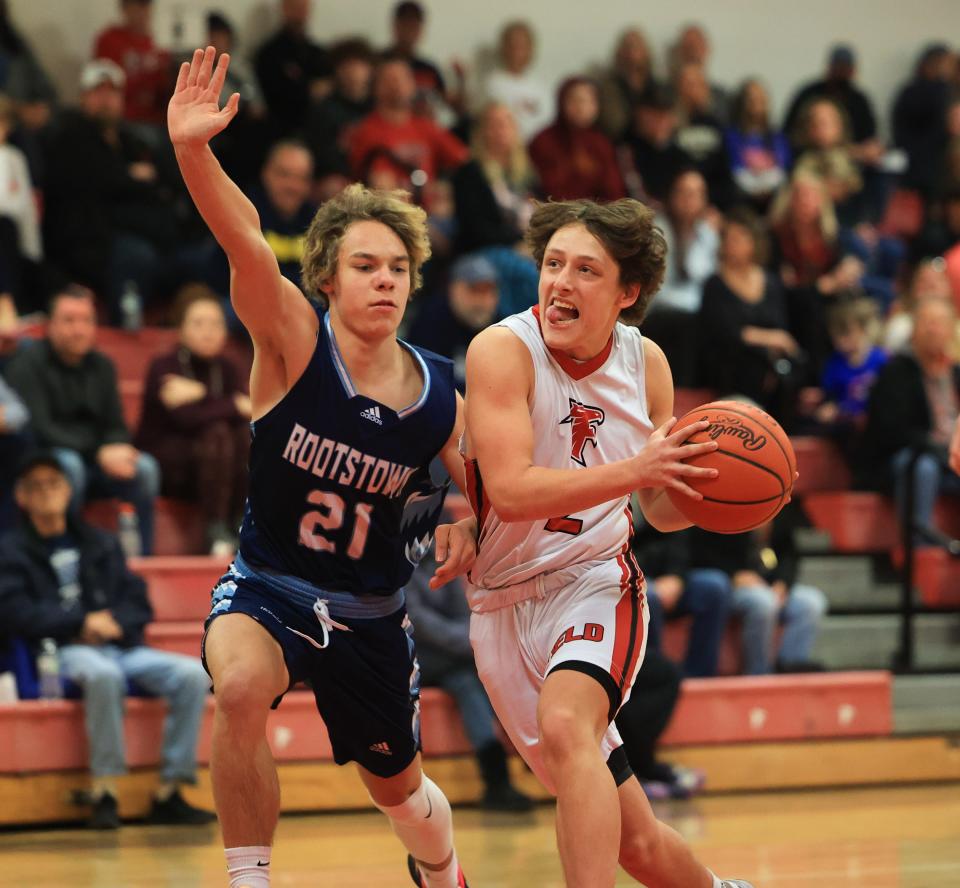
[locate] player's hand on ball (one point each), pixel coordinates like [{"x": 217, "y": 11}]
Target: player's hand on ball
[
  {"x": 661, "y": 462},
  {"x": 194, "y": 115},
  {"x": 455, "y": 550}
]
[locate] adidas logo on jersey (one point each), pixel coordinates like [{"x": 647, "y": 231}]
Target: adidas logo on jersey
[
  {"x": 382, "y": 748},
  {"x": 373, "y": 414}
]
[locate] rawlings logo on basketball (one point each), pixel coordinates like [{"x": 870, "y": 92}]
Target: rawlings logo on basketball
[
  {"x": 584, "y": 421},
  {"x": 735, "y": 428}
]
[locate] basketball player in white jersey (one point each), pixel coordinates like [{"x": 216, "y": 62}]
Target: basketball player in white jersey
[{"x": 568, "y": 413}]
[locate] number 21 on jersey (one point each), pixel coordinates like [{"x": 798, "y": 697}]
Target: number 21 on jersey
[{"x": 329, "y": 517}]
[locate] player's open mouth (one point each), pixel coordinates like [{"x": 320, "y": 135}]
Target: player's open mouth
[{"x": 561, "y": 312}]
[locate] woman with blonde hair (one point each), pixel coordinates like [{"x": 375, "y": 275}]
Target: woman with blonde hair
[
  {"x": 493, "y": 190},
  {"x": 807, "y": 235},
  {"x": 818, "y": 250},
  {"x": 813, "y": 261},
  {"x": 493, "y": 203}
]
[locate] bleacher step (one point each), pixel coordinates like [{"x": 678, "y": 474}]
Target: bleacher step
[
  {"x": 870, "y": 641},
  {"x": 848, "y": 582},
  {"x": 926, "y": 703},
  {"x": 776, "y": 707},
  {"x": 812, "y": 540}
]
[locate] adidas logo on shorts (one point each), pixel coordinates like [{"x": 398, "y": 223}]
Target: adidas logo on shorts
[
  {"x": 373, "y": 414},
  {"x": 382, "y": 748}
]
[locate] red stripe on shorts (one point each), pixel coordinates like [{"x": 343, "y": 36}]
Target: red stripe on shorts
[
  {"x": 625, "y": 623},
  {"x": 636, "y": 584}
]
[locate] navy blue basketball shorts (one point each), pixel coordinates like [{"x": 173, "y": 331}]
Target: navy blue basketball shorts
[{"x": 364, "y": 674}]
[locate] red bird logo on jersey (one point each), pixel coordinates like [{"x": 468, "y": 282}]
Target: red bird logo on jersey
[{"x": 584, "y": 420}]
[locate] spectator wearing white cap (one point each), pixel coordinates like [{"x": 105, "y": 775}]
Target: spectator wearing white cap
[{"x": 447, "y": 324}]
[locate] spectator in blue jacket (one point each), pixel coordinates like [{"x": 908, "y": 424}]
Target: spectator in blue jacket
[
  {"x": 64, "y": 580},
  {"x": 448, "y": 322}
]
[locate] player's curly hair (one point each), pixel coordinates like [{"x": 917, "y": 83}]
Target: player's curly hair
[
  {"x": 357, "y": 203},
  {"x": 626, "y": 230}
]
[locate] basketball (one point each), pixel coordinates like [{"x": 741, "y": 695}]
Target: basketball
[{"x": 755, "y": 462}]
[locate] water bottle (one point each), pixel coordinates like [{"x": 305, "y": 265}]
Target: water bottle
[
  {"x": 8, "y": 688},
  {"x": 48, "y": 671},
  {"x": 128, "y": 530},
  {"x": 131, "y": 307}
]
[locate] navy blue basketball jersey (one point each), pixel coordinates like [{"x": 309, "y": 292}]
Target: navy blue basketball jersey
[{"x": 340, "y": 490}]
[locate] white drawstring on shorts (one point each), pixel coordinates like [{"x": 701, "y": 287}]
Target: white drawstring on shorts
[{"x": 322, "y": 611}]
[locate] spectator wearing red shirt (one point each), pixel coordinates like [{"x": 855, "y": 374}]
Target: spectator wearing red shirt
[
  {"x": 146, "y": 66},
  {"x": 393, "y": 148},
  {"x": 574, "y": 159}
]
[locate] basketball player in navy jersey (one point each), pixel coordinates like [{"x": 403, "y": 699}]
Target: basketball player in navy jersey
[
  {"x": 559, "y": 604},
  {"x": 347, "y": 420}
]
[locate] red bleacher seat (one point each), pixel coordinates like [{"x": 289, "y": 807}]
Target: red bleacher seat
[
  {"x": 860, "y": 521},
  {"x": 131, "y": 398},
  {"x": 179, "y": 524},
  {"x": 856, "y": 521},
  {"x": 820, "y": 465},
  {"x": 178, "y": 636},
  {"x": 936, "y": 576},
  {"x": 780, "y": 707},
  {"x": 133, "y": 352},
  {"x": 179, "y": 586}
]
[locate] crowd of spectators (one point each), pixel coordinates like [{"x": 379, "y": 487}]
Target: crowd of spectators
[{"x": 814, "y": 265}]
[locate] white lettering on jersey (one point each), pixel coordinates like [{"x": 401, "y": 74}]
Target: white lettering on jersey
[{"x": 344, "y": 464}]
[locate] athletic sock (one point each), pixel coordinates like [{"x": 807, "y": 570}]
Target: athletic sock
[
  {"x": 164, "y": 791},
  {"x": 425, "y": 826},
  {"x": 249, "y": 866},
  {"x": 100, "y": 786}
]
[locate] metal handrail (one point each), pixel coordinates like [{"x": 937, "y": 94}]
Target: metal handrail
[{"x": 903, "y": 660}]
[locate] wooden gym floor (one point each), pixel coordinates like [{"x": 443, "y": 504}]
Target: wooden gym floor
[{"x": 888, "y": 837}]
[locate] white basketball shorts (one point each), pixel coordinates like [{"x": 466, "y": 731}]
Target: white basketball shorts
[{"x": 591, "y": 618}]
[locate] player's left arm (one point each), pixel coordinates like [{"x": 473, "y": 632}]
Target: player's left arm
[
  {"x": 654, "y": 502},
  {"x": 455, "y": 546}
]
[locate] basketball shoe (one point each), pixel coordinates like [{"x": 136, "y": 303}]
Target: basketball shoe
[
  {"x": 461, "y": 880},
  {"x": 734, "y": 883}
]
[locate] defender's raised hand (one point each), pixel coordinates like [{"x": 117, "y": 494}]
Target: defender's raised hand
[{"x": 194, "y": 115}]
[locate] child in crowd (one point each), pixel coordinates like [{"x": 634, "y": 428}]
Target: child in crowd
[{"x": 854, "y": 327}]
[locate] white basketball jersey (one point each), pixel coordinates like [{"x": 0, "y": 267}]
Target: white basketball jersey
[{"x": 583, "y": 414}]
